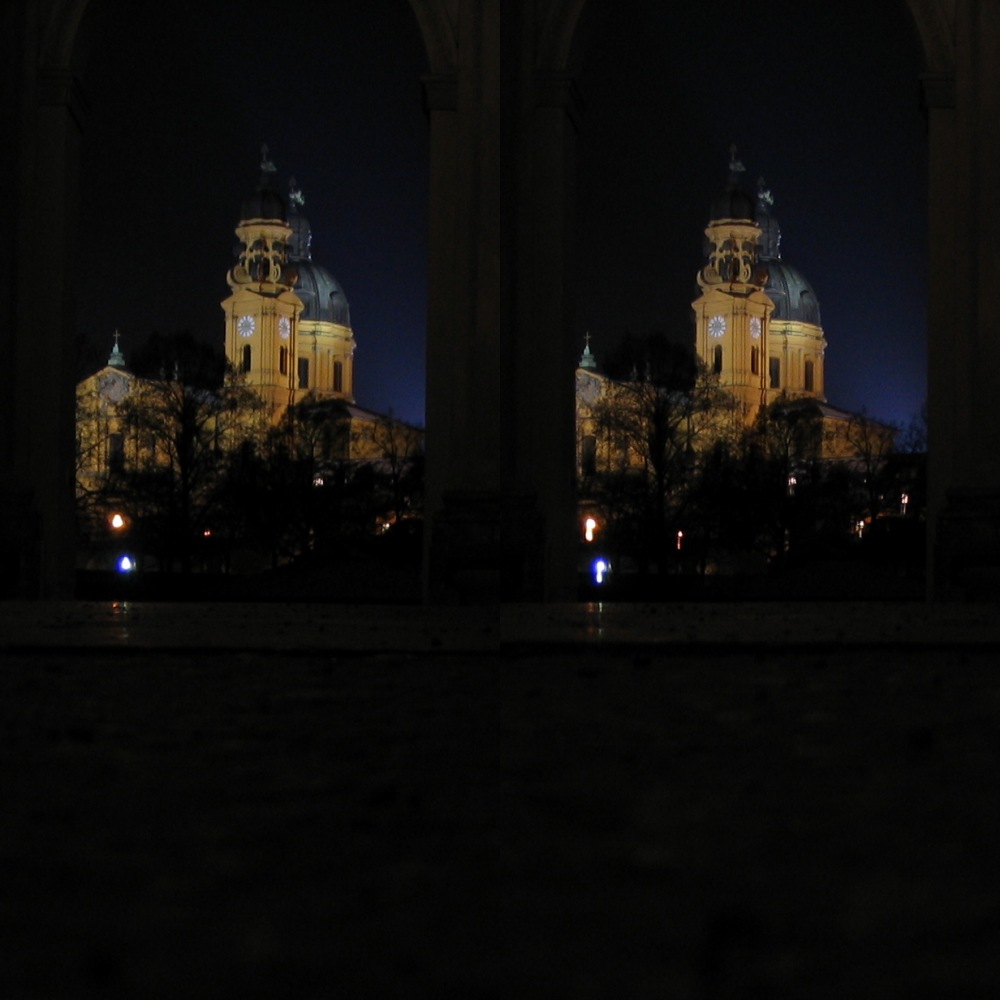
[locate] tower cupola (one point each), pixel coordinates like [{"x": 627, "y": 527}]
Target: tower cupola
[
  {"x": 116, "y": 359},
  {"x": 264, "y": 233},
  {"x": 733, "y": 203}
]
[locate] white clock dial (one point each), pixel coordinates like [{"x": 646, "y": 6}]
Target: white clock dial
[
  {"x": 113, "y": 387},
  {"x": 246, "y": 326},
  {"x": 717, "y": 326},
  {"x": 755, "y": 327},
  {"x": 588, "y": 388},
  {"x": 284, "y": 328}
]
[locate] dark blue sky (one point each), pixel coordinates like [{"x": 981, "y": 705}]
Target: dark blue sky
[{"x": 823, "y": 102}]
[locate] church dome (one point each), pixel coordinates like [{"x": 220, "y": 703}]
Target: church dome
[
  {"x": 321, "y": 294},
  {"x": 791, "y": 294},
  {"x": 301, "y": 238}
]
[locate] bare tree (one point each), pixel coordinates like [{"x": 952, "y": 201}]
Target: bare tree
[
  {"x": 178, "y": 435},
  {"x": 872, "y": 442}
]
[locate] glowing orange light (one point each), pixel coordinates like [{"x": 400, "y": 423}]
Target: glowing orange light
[
  {"x": 589, "y": 526},
  {"x": 117, "y": 521}
]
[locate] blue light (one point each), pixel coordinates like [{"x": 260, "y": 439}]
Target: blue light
[
  {"x": 126, "y": 564},
  {"x": 601, "y": 570}
]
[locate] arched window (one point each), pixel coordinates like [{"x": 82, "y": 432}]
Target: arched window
[
  {"x": 283, "y": 361},
  {"x": 717, "y": 359},
  {"x": 247, "y": 355},
  {"x": 810, "y": 378},
  {"x": 303, "y": 373},
  {"x": 338, "y": 376},
  {"x": 754, "y": 360},
  {"x": 775, "y": 372},
  {"x": 116, "y": 452}
]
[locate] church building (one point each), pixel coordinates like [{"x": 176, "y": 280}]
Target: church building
[
  {"x": 287, "y": 333},
  {"x": 757, "y": 330},
  {"x": 288, "y": 325},
  {"x": 757, "y": 322}
]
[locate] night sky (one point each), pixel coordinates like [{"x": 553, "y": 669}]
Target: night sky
[{"x": 821, "y": 100}]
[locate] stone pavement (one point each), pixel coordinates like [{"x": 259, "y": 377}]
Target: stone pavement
[
  {"x": 330, "y": 628},
  {"x": 700, "y": 802}
]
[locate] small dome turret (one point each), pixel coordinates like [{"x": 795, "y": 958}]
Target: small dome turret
[{"x": 116, "y": 359}]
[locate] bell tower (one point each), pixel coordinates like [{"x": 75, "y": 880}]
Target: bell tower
[
  {"x": 732, "y": 314},
  {"x": 262, "y": 313}
]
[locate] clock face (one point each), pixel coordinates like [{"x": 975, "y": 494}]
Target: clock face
[
  {"x": 717, "y": 326},
  {"x": 755, "y": 327},
  {"x": 113, "y": 387},
  {"x": 246, "y": 326},
  {"x": 284, "y": 328},
  {"x": 588, "y": 388}
]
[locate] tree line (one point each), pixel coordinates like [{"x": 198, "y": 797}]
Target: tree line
[
  {"x": 680, "y": 482},
  {"x": 206, "y": 480}
]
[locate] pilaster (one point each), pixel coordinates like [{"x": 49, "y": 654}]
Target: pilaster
[
  {"x": 37, "y": 483},
  {"x": 964, "y": 351},
  {"x": 500, "y": 362}
]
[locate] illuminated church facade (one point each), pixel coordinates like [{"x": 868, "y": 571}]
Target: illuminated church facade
[
  {"x": 288, "y": 325},
  {"x": 757, "y": 320},
  {"x": 757, "y": 331},
  {"x": 288, "y": 336}
]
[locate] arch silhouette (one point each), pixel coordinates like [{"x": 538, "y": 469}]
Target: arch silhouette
[{"x": 497, "y": 270}]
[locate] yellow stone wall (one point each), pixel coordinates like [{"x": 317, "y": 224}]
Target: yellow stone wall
[
  {"x": 262, "y": 312},
  {"x": 325, "y": 345}
]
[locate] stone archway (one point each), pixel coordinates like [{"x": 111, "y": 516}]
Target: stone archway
[{"x": 501, "y": 105}]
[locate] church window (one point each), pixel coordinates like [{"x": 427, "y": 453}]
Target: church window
[
  {"x": 247, "y": 357},
  {"x": 338, "y": 376},
  {"x": 116, "y": 452},
  {"x": 775, "y": 372},
  {"x": 810, "y": 377},
  {"x": 303, "y": 373},
  {"x": 754, "y": 360},
  {"x": 283, "y": 361},
  {"x": 717, "y": 359}
]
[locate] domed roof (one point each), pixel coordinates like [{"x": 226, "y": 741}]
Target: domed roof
[
  {"x": 321, "y": 294},
  {"x": 791, "y": 294},
  {"x": 733, "y": 202}
]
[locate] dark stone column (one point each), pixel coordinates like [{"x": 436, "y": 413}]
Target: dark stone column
[
  {"x": 37, "y": 457},
  {"x": 500, "y": 364},
  {"x": 964, "y": 350}
]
